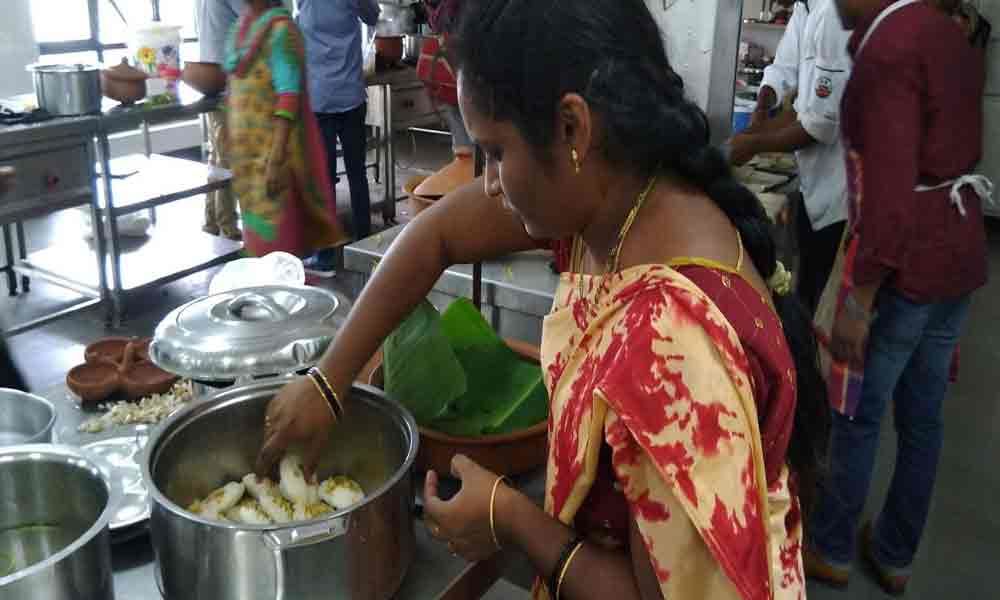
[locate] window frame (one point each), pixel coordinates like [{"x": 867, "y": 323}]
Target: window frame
[{"x": 94, "y": 44}]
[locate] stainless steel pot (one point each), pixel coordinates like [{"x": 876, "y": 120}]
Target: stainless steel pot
[
  {"x": 363, "y": 552},
  {"x": 411, "y": 48},
  {"x": 25, "y": 418},
  {"x": 69, "y": 89},
  {"x": 55, "y": 506},
  {"x": 395, "y": 20}
]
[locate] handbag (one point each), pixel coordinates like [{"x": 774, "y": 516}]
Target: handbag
[{"x": 843, "y": 381}]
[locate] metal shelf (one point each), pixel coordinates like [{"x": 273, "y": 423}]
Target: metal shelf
[
  {"x": 140, "y": 183},
  {"x": 168, "y": 254}
]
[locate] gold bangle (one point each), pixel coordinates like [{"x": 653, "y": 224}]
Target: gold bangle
[
  {"x": 565, "y": 569},
  {"x": 319, "y": 373},
  {"x": 322, "y": 394},
  {"x": 493, "y": 502}
]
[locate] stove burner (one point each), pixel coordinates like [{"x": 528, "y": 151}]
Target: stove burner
[{"x": 10, "y": 117}]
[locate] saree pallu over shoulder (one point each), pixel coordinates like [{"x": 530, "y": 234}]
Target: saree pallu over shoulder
[{"x": 648, "y": 365}]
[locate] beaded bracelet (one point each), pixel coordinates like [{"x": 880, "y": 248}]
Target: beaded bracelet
[{"x": 326, "y": 390}]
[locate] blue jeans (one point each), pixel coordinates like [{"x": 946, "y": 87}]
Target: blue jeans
[
  {"x": 350, "y": 128},
  {"x": 909, "y": 353}
]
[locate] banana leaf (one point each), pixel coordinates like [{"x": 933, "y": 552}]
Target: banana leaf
[
  {"x": 504, "y": 392},
  {"x": 420, "y": 367}
]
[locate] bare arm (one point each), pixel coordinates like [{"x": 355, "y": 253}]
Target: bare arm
[
  {"x": 464, "y": 227},
  {"x": 613, "y": 573}
]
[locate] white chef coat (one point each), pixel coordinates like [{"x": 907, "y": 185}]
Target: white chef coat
[
  {"x": 782, "y": 75},
  {"x": 817, "y": 43}
]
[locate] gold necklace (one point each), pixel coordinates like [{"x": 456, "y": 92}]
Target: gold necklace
[{"x": 611, "y": 266}]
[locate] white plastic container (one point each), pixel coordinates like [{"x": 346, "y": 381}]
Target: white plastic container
[{"x": 156, "y": 50}]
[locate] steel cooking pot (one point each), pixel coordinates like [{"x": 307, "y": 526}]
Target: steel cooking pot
[
  {"x": 363, "y": 552},
  {"x": 55, "y": 506},
  {"x": 25, "y": 418},
  {"x": 67, "y": 89}
]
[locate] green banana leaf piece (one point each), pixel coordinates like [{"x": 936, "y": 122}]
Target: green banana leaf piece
[
  {"x": 456, "y": 375},
  {"x": 504, "y": 392},
  {"x": 420, "y": 367}
]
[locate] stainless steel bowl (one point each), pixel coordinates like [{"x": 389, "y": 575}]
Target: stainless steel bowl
[
  {"x": 361, "y": 553},
  {"x": 25, "y": 418},
  {"x": 55, "y": 506}
]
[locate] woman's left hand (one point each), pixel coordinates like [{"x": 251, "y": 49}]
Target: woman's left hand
[
  {"x": 850, "y": 339},
  {"x": 277, "y": 174},
  {"x": 464, "y": 521}
]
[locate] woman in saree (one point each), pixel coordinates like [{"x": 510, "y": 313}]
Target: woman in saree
[
  {"x": 687, "y": 415},
  {"x": 277, "y": 156}
]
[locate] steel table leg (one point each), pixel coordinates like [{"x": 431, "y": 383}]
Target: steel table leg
[
  {"x": 116, "y": 308},
  {"x": 22, "y": 251},
  {"x": 8, "y": 268},
  {"x": 389, "y": 200}
]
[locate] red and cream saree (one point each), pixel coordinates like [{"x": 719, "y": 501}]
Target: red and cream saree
[{"x": 672, "y": 404}]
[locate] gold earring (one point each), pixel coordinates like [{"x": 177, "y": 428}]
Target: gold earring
[{"x": 575, "y": 156}]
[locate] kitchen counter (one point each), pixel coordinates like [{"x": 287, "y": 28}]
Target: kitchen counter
[
  {"x": 12, "y": 136},
  {"x": 433, "y": 568},
  {"x": 517, "y": 290}
]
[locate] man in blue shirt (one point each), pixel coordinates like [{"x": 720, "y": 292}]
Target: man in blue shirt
[
  {"x": 334, "y": 69},
  {"x": 215, "y": 19}
]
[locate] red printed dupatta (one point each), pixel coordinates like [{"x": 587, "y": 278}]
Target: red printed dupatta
[{"x": 650, "y": 366}]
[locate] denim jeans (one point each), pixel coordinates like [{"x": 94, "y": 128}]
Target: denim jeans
[
  {"x": 908, "y": 358},
  {"x": 350, "y": 128}
]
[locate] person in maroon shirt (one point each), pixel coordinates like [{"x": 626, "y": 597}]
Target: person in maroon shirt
[{"x": 912, "y": 122}]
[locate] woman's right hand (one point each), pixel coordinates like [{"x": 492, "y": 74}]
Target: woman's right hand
[{"x": 298, "y": 415}]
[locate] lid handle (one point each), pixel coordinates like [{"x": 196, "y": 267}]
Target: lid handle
[{"x": 259, "y": 301}]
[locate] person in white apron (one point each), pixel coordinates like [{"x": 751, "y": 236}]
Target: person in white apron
[{"x": 916, "y": 251}]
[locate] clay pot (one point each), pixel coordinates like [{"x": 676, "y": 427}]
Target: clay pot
[
  {"x": 124, "y": 83},
  {"x": 145, "y": 379},
  {"x": 508, "y": 454},
  {"x": 452, "y": 176},
  {"x": 207, "y": 78},
  {"x": 389, "y": 50},
  {"x": 93, "y": 382},
  {"x": 417, "y": 203}
]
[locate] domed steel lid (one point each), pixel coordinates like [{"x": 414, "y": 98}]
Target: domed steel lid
[{"x": 252, "y": 332}]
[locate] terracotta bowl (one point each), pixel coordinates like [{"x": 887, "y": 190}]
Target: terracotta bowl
[
  {"x": 207, "y": 78},
  {"x": 113, "y": 348},
  {"x": 508, "y": 454},
  {"x": 93, "y": 382},
  {"x": 145, "y": 379}
]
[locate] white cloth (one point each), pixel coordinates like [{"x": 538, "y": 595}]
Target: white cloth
[
  {"x": 782, "y": 76},
  {"x": 979, "y": 183}
]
